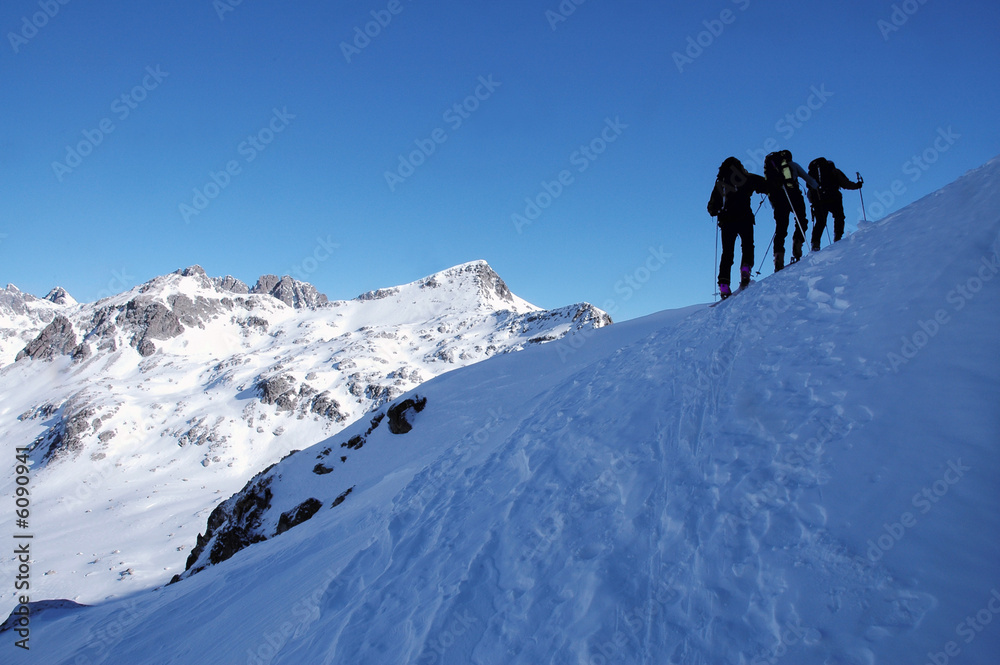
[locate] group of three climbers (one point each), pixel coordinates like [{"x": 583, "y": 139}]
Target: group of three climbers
[{"x": 735, "y": 187}]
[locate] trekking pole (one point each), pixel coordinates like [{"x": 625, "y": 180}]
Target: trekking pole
[
  {"x": 759, "y": 206},
  {"x": 766, "y": 251},
  {"x": 715, "y": 291},
  {"x": 861, "y": 181},
  {"x": 798, "y": 223}
]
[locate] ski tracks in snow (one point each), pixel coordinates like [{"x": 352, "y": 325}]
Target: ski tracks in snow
[{"x": 660, "y": 506}]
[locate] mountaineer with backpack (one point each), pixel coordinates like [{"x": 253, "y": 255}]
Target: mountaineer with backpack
[
  {"x": 782, "y": 176},
  {"x": 730, "y": 204},
  {"x": 827, "y": 198}
]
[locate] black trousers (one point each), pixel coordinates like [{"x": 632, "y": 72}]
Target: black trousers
[
  {"x": 823, "y": 207},
  {"x": 731, "y": 230},
  {"x": 779, "y": 203}
]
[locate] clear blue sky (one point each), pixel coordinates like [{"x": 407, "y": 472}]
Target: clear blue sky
[{"x": 198, "y": 80}]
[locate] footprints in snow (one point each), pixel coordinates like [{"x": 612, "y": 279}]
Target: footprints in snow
[{"x": 827, "y": 293}]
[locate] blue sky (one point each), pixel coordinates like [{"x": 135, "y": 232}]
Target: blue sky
[{"x": 118, "y": 117}]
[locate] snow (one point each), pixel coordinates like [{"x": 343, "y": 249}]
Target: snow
[
  {"x": 807, "y": 474},
  {"x": 184, "y": 428}
]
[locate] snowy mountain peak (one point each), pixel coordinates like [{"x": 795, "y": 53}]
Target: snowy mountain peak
[
  {"x": 12, "y": 298},
  {"x": 472, "y": 286},
  {"x": 192, "y": 271},
  {"x": 60, "y": 296},
  {"x": 480, "y": 276}
]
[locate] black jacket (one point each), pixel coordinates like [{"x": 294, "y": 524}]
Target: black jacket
[
  {"x": 829, "y": 190},
  {"x": 731, "y": 197}
]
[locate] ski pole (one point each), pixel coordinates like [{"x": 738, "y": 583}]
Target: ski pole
[
  {"x": 715, "y": 291},
  {"x": 861, "y": 181},
  {"x": 798, "y": 223},
  {"x": 766, "y": 251}
]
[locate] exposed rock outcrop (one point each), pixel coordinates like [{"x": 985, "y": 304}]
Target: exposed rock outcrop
[
  {"x": 150, "y": 321},
  {"x": 298, "y": 515},
  {"x": 57, "y": 338},
  {"x": 231, "y": 285},
  {"x": 75, "y": 420},
  {"x": 293, "y": 293},
  {"x": 401, "y": 415},
  {"x": 249, "y": 516},
  {"x": 235, "y": 523}
]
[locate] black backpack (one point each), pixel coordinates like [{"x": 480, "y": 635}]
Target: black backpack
[
  {"x": 778, "y": 168},
  {"x": 824, "y": 172},
  {"x": 732, "y": 175}
]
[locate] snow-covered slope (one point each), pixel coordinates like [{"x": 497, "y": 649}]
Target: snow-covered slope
[
  {"x": 146, "y": 409},
  {"x": 804, "y": 474}
]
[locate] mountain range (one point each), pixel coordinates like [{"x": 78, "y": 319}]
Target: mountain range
[{"x": 144, "y": 410}]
